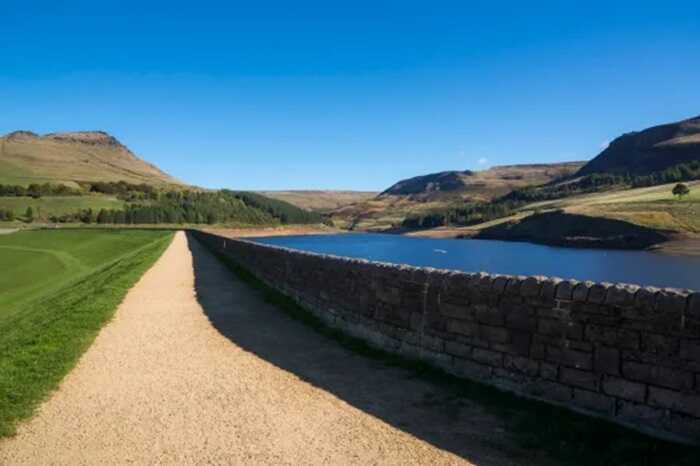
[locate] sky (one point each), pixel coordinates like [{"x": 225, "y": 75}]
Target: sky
[{"x": 347, "y": 95}]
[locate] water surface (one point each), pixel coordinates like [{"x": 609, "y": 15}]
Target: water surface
[{"x": 514, "y": 258}]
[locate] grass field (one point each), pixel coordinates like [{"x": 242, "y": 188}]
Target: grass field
[
  {"x": 58, "y": 289},
  {"x": 653, "y": 207},
  {"x": 44, "y": 207}
]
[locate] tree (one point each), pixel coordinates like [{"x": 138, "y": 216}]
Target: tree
[
  {"x": 29, "y": 214},
  {"x": 681, "y": 190}
]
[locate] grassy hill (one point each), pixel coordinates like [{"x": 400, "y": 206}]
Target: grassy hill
[
  {"x": 480, "y": 185},
  {"x": 320, "y": 200},
  {"x": 423, "y": 194},
  {"x": 651, "y": 150},
  {"x": 91, "y": 177},
  {"x": 72, "y": 157}
]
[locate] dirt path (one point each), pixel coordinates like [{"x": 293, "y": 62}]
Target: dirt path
[{"x": 196, "y": 369}]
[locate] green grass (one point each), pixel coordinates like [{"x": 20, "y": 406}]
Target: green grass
[
  {"x": 566, "y": 437},
  {"x": 44, "y": 207},
  {"x": 63, "y": 286}
]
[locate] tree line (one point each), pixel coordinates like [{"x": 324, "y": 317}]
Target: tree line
[{"x": 195, "y": 207}]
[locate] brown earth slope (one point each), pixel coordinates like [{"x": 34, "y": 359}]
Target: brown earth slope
[
  {"x": 71, "y": 157},
  {"x": 439, "y": 190},
  {"x": 320, "y": 200},
  {"x": 652, "y": 149}
]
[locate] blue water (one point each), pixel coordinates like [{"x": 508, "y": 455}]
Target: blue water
[{"x": 640, "y": 267}]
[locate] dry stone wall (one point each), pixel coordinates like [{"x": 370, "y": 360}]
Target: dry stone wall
[{"x": 626, "y": 353}]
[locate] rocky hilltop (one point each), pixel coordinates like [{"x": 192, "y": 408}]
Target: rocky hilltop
[
  {"x": 481, "y": 185},
  {"x": 650, "y": 150},
  {"x": 68, "y": 157}
]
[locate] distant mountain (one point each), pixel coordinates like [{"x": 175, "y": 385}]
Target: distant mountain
[
  {"x": 650, "y": 150},
  {"x": 427, "y": 193},
  {"x": 481, "y": 185},
  {"x": 320, "y": 200},
  {"x": 70, "y": 157}
]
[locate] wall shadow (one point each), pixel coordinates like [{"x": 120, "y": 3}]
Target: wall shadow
[{"x": 424, "y": 410}]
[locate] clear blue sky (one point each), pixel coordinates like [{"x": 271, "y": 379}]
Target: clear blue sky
[{"x": 352, "y": 95}]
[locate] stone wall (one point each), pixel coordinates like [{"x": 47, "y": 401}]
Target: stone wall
[{"x": 629, "y": 354}]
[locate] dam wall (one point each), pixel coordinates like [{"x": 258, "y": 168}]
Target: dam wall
[{"x": 627, "y": 353}]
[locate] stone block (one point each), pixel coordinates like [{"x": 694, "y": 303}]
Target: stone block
[
  {"x": 670, "y": 300},
  {"x": 593, "y": 401},
  {"x": 499, "y": 284},
  {"x": 456, "y": 310},
  {"x": 612, "y": 336},
  {"x": 606, "y": 360},
  {"x": 624, "y": 389},
  {"x": 565, "y": 290},
  {"x": 570, "y": 358},
  {"x": 458, "y": 349},
  {"x": 694, "y": 306},
  {"x": 560, "y": 328},
  {"x": 658, "y": 375},
  {"x": 490, "y": 358},
  {"x": 462, "y": 327},
  {"x": 549, "y": 288},
  {"x": 513, "y": 286},
  {"x": 621, "y": 295},
  {"x": 494, "y": 334},
  {"x": 471, "y": 370},
  {"x": 645, "y": 299},
  {"x": 690, "y": 350},
  {"x": 521, "y": 364},
  {"x": 578, "y": 378},
  {"x": 581, "y": 291},
  {"x": 662, "y": 345},
  {"x": 550, "y": 391},
  {"x": 549, "y": 371},
  {"x": 520, "y": 319},
  {"x": 637, "y": 412},
  {"x": 686, "y": 403},
  {"x": 598, "y": 292},
  {"x": 488, "y": 315},
  {"x": 531, "y": 287}
]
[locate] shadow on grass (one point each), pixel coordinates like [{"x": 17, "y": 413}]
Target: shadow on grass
[{"x": 479, "y": 423}]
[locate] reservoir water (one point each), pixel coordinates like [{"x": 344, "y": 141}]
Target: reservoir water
[{"x": 514, "y": 258}]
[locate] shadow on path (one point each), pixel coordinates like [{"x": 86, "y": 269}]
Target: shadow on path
[{"x": 393, "y": 395}]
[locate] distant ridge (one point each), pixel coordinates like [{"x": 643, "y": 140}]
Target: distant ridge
[
  {"x": 485, "y": 184},
  {"x": 70, "y": 157},
  {"x": 650, "y": 150}
]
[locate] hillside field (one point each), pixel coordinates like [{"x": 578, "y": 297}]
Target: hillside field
[
  {"x": 62, "y": 287},
  {"x": 44, "y": 207},
  {"x": 653, "y": 207}
]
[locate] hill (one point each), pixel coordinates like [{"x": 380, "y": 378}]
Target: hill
[
  {"x": 71, "y": 157},
  {"x": 651, "y": 150},
  {"x": 422, "y": 194},
  {"x": 320, "y": 200},
  {"x": 91, "y": 177},
  {"x": 481, "y": 185}
]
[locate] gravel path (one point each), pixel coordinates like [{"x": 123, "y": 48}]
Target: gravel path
[{"x": 196, "y": 368}]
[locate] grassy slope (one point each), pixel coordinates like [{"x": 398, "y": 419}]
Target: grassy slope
[
  {"x": 41, "y": 160},
  {"x": 387, "y": 210},
  {"x": 653, "y": 207},
  {"x": 59, "y": 205},
  {"x": 321, "y": 200},
  {"x": 65, "y": 285}
]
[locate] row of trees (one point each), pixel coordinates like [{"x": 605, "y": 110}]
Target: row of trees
[
  {"x": 38, "y": 190},
  {"x": 177, "y": 207},
  {"x": 468, "y": 214}
]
